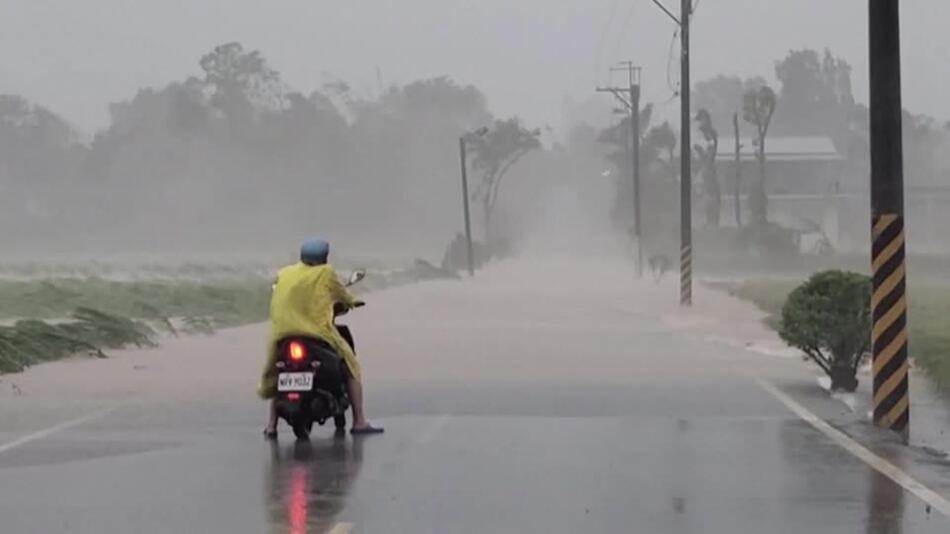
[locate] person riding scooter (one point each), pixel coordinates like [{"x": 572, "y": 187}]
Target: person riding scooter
[{"x": 305, "y": 296}]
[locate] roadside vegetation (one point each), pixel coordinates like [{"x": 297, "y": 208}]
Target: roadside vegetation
[
  {"x": 47, "y": 319},
  {"x": 928, "y": 319},
  {"x": 229, "y": 302}
]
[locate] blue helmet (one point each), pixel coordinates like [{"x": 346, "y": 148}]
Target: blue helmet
[{"x": 314, "y": 252}]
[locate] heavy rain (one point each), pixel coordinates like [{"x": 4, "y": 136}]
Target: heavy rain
[{"x": 647, "y": 266}]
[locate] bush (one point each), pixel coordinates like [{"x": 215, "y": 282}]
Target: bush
[
  {"x": 455, "y": 258},
  {"x": 829, "y": 319}
]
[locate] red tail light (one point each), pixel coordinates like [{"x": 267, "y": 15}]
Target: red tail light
[
  {"x": 297, "y": 351},
  {"x": 293, "y": 396}
]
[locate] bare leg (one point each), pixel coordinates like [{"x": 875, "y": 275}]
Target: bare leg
[
  {"x": 356, "y": 400},
  {"x": 271, "y": 428}
]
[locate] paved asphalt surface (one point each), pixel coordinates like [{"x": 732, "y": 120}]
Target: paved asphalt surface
[{"x": 524, "y": 401}]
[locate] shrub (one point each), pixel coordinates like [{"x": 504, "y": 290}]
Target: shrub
[{"x": 829, "y": 319}]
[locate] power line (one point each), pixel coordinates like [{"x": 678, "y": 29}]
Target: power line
[
  {"x": 623, "y": 27},
  {"x": 603, "y": 39},
  {"x": 667, "y": 11},
  {"x": 669, "y": 63}
]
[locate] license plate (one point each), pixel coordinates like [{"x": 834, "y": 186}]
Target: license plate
[{"x": 295, "y": 382}]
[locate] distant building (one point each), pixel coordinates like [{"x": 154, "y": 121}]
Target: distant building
[
  {"x": 794, "y": 165},
  {"x": 804, "y": 183},
  {"x": 813, "y": 187}
]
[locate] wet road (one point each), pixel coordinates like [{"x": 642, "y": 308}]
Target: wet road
[{"x": 512, "y": 404}]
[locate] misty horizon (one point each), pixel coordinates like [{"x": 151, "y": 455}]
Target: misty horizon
[{"x": 529, "y": 60}]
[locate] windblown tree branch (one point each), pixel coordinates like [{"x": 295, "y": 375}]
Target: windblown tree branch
[
  {"x": 707, "y": 155},
  {"x": 758, "y": 106},
  {"x": 495, "y": 154}
]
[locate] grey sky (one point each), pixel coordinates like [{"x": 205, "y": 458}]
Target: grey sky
[{"x": 527, "y": 55}]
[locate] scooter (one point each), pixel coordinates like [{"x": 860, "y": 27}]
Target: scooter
[{"x": 312, "y": 378}]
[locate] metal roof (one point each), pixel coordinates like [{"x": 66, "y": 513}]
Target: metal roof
[{"x": 781, "y": 149}]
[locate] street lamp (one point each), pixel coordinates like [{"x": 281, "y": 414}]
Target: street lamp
[{"x": 465, "y": 200}]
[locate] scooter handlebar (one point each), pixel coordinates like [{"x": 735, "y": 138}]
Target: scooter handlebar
[{"x": 340, "y": 309}]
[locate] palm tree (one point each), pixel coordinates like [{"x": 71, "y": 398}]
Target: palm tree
[{"x": 707, "y": 155}]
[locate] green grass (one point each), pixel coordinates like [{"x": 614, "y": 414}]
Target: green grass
[
  {"x": 767, "y": 294},
  {"x": 58, "y": 317},
  {"x": 928, "y": 319},
  {"x": 229, "y": 302},
  {"x": 54, "y": 317},
  {"x": 31, "y": 341}
]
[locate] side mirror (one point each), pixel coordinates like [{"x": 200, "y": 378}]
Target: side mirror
[{"x": 356, "y": 276}]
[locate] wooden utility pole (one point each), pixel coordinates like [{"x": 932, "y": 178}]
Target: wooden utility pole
[
  {"x": 737, "y": 190},
  {"x": 630, "y": 97},
  {"x": 686, "y": 213}
]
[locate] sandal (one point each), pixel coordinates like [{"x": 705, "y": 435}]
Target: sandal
[{"x": 367, "y": 430}]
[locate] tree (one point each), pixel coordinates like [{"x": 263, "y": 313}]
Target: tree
[
  {"x": 40, "y": 156},
  {"x": 707, "y": 155},
  {"x": 758, "y": 106},
  {"x": 240, "y": 81},
  {"x": 816, "y": 94},
  {"x": 494, "y": 154},
  {"x": 722, "y": 95},
  {"x": 230, "y": 143},
  {"x": 441, "y": 100},
  {"x": 660, "y": 144},
  {"x": 829, "y": 319}
]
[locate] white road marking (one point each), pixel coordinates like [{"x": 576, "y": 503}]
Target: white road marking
[
  {"x": 341, "y": 528},
  {"x": 879, "y": 464},
  {"x": 52, "y": 430}
]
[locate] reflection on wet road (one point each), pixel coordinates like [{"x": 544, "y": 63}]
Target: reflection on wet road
[
  {"x": 308, "y": 483},
  {"x": 676, "y": 467},
  {"x": 885, "y": 506},
  {"x": 758, "y": 473}
]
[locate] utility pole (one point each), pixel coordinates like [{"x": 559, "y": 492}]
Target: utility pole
[
  {"x": 630, "y": 97},
  {"x": 686, "y": 219},
  {"x": 686, "y": 177},
  {"x": 888, "y": 301}
]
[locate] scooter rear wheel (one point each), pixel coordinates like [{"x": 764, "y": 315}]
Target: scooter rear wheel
[{"x": 302, "y": 429}]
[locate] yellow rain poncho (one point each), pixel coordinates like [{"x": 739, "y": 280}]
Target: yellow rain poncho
[{"x": 302, "y": 305}]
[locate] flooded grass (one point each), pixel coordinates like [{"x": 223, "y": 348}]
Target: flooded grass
[
  {"x": 31, "y": 341},
  {"x": 53, "y": 318},
  {"x": 229, "y": 302},
  {"x": 43, "y": 319}
]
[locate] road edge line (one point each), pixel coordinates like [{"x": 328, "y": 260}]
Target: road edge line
[
  {"x": 342, "y": 528},
  {"x": 65, "y": 425},
  {"x": 891, "y": 471}
]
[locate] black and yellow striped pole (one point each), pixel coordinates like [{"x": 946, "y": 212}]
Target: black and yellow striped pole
[
  {"x": 686, "y": 208},
  {"x": 888, "y": 302}
]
